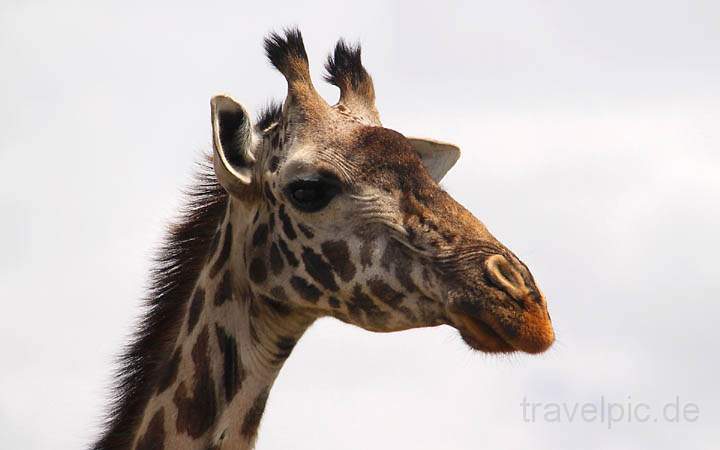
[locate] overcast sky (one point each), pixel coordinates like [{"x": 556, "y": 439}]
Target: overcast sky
[{"x": 590, "y": 134}]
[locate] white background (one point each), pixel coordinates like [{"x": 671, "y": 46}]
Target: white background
[{"x": 591, "y": 147}]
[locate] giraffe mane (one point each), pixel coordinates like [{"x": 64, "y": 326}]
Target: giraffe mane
[
  {"x": 177, "y": 266},
  {"x": 268, "y": 115}
]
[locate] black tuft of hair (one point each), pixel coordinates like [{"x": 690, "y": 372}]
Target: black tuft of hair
[
  {"x": 177, "y": 267},
  {"x": 281, "y": 50},
  {"x": 269, "y": 114},
  {"x": 344, "y": 68}
]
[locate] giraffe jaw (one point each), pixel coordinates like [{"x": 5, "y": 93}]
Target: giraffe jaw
[
  {"x": 480, "y": 336},
  {"x": 495, "y": 330}
]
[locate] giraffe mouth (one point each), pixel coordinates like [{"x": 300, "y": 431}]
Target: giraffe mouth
[{"x": 479, "y": 335}]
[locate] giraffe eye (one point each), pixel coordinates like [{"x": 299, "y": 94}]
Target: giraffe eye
[{"x": 311, "y": 195}]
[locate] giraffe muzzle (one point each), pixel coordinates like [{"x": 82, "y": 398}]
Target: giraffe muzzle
[{"x": 507, "y": 314}]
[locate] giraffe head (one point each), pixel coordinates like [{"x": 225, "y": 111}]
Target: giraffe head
[{"x": 348, "y": 218}]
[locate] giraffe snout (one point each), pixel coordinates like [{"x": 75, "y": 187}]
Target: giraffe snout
[{"x": 532, "y": 330}]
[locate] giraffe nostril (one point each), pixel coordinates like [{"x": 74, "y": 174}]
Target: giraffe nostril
[{"x": 504, "y": 276}]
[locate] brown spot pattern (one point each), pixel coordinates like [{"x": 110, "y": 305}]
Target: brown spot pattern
[
  {"x": 402, "y": 272},
  {"x": 233, "y": 370},
  {"x": 320, "y": 270},
  {"x": 361, "y": 302},
  {"x": 269, "y": 194},
  {"x": 169, "y": 373},
  {"x": 260, "y": 235},
  {"x": 338, "y": 254},
  {"x": 196, "y": 412},
  {"x": 257, "y": 271},
  {"x": 154, "y": 437},
  {"x": 286, "y": 223},
  {"x": 224, "y": 290},
  {"x": 306, "y": 290},
  {"x": 307, "y": 231},
  {"x": 285, "y": 346},
  {"x": 389, "y": 255},
  {"x": 289, "y": 256},
  {"x": 385, "y": 293},
  {"x": 254, "y": 415},
  {"x": 366, "y": 249},
  {"x": 279, "y": 308},
  {"x": 394, "y": 254}
]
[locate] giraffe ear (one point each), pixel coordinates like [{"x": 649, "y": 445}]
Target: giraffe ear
[
  {"x": 438, "y": 157},
  {"x": 232, "y": 143}
]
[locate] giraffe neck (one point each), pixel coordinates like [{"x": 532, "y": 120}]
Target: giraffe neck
[{"x": 229, "y": 349}]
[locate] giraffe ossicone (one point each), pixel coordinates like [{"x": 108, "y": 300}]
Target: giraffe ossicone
[{"x": 312, "y": 210}]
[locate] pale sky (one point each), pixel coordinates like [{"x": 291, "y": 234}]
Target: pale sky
[{"x": 590, "y": 134}]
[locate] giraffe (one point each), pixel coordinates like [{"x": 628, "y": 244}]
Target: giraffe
[{"x": 313, "y": 210}]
